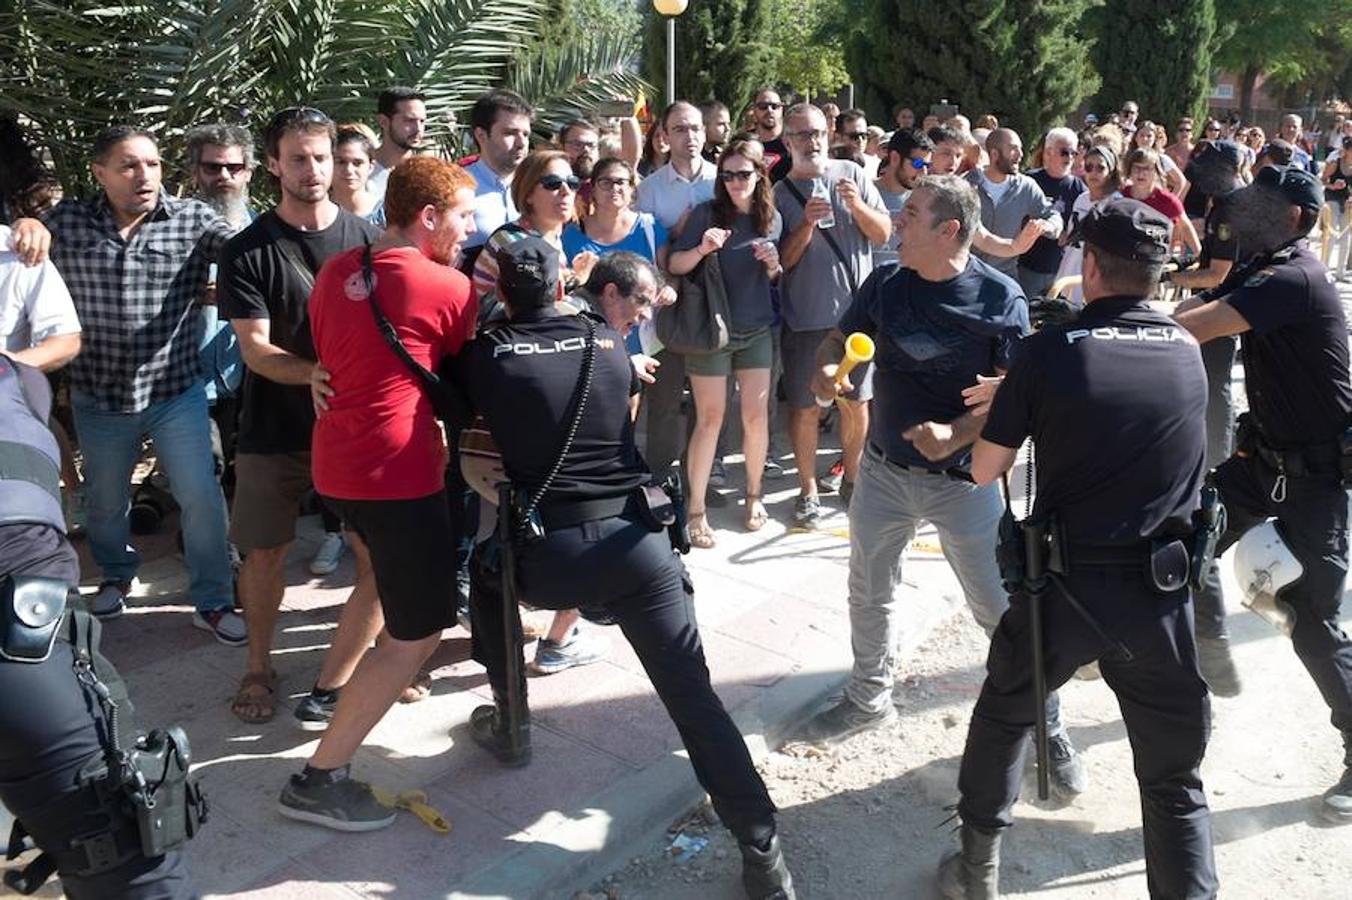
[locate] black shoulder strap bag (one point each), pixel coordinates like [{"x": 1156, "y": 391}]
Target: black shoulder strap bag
[
  {"x": 830, "y": 240},
  {"x": 448, "y": 403}
]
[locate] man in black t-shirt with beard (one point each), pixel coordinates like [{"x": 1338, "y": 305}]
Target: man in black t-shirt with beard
[
  {"x": 769, "y": 112},
  {"x": 266, "y": 273}
]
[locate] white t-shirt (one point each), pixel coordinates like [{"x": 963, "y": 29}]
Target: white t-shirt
[
  {"x": 1072, "y": 261},
  {"x": 996, "y": 191},
  {"x": 34, "y": 302}
]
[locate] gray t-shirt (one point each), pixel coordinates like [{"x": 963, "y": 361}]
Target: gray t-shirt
[
  {"x": 894, "y": 201},
  {"x": 744, "y": 276},
  {"x": 815, "y": 292}
]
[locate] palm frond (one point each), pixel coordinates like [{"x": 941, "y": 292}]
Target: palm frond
[{"x": 569, "y": 82}]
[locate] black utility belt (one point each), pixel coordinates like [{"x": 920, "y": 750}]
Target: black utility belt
[
  {"x": 661, "y": 507},
  {"x": 575, "y": 512},
  {"x": 1324, "y": 458},
  {"x": 1165, "y": 561},
  {"x": 953, "y": 472}
]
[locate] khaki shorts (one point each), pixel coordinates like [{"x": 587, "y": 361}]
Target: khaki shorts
[{"x": 268, "y": 490}]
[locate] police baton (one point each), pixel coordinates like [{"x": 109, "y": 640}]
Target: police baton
[
  {"x": 511, "y": 618},
  {"x": 1027, "y": 571}
]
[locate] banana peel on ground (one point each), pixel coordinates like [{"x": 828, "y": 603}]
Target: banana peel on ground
[{"x": 416, "y": 803}]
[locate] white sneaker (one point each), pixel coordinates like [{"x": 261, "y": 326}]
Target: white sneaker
[
  {"x": 330, "y": 551},
  {"x": 226, "y": 624},
  {"x": 110, "y": 600}
]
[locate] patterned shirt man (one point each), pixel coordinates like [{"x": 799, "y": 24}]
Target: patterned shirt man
[{"x": 136, "y": 297}]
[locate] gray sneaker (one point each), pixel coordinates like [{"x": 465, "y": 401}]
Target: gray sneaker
[
  {"x": 845, "y": 720},
  {"x": 314, "y": 712},
  {"x": 807, "y": 512},
  {"x": 582, "y": 648},
  {"x": 342, "y": 804}
]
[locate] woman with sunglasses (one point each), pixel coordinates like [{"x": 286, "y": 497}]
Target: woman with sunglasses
[
  {"x": 1103, "y": 179},
  {"x": 353, "y": 160},
  {"x": 1147, "y": 137},
  {"x": 741, "y": 225},
  {"x": 1143, "y": 168},
  {"x": 545, "y": 191}
]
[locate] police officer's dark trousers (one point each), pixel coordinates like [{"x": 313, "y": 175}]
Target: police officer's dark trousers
[
  {"x": 1161, "y": 694},
  {"x": 49, "y": 730},
  {"x": 618, "y": 571},
  {"x": 1312, "y": 520}
]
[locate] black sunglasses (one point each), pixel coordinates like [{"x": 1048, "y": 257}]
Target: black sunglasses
[
  {"x": 295, "y": 115},
  {"x": 728, "y": 175},
  {"x": 1065, "y": 153},
  {"x": 856, "y": 136},
  {"x": 554, "y": 182},
  {"x": 219, "y": 167},
  {"x": 768, "y": 104}
]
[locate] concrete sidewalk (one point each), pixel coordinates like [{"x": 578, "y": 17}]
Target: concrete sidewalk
[{"x": 608, "y": 773}]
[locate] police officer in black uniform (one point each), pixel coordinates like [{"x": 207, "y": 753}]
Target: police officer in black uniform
[
  {"x": 1292, "y": 449},
  {"x": 1116, "y": 516},
  {"x": 585, "y": 528},
  {"x": 51, "y": 729}
]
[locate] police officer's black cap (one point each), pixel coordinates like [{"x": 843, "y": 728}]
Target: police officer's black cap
[
  {"x": 1225, "y": 153},
  {"x": 528, "y": 272},
  {"x": 1128, "y": 229},
  {"x": 1295, "y": 184}
]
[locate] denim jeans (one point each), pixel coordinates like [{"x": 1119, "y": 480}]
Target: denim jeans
[
  {"x": 111, "y": 442},
  {"x": 888, "y": 504}
]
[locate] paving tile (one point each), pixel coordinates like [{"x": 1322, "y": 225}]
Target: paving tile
[
  {"x": 563, "y": 774},
  {"x": 409, "y": 860},
  {"x": 292, "y": 881}
]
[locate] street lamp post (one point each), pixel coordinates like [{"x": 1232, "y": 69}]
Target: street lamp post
[{"x": 671, "y": 9}]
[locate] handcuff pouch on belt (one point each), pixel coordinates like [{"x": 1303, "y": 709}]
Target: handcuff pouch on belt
[
  {"x": 143, "y": 796},
  {"x": 661, "y": 506},
  {"x": 30, "y": 616}
]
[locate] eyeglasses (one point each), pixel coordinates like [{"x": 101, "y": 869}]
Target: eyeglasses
[
  {"x": 611, "y": 184},
  {"x": 216, "y": 168},
  {"x": 554, "y": 182},
  {"x": 1185, "y": 129},
  {"x": 768, "y": 104},
  {"x": 1065, "y": 153},
  {"x": 919, "y": 165},
  {"x": 581, "y": 145},
  {"x": 1213, "y": 129},
  {"x": 1090, "y": 167},
  {"x": 686, "y": 129},
  {"x": 810, "y": 134},
  {"x": 731, "y": 175},
  {"x": 857, "y": 136}
]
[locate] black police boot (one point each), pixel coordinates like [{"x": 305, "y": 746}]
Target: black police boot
[
  {"x": 1218, "y": 666},
  {"x": 764, "y": 874},
  {"x": 972, "y": 872},
  {"x": 1338, "y": 799},
  {"x": 488, "y": 727}
]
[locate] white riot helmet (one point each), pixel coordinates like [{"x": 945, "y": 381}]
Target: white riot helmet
[{"x": 1263, "y": 566}]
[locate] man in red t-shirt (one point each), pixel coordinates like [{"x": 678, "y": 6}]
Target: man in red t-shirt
[{"x": 378, "y": 457}]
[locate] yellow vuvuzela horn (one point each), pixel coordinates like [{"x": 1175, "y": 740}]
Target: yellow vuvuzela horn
[{"x": 858, "y": 349}]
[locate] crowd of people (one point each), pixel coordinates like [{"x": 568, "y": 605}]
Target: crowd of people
[{"x": 398, "y": 332}]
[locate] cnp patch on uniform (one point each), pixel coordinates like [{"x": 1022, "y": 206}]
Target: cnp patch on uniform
[{"x": 1259, "y": 277}]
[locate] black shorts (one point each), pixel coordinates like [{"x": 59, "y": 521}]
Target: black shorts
[{"x": 413, "y": 555}]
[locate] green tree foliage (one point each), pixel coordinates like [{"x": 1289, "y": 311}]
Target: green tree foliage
[
  {"x": 722, "y": 50},
  {"x": 1156, "y": 52},
  {"x": 67, "y": 70},
  {"x": 810, "y": 54},
  {"x": 1023, "y": 60},
  {"x": 1302, "y": 47}
]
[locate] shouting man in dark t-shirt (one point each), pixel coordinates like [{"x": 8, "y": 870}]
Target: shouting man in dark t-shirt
[
  {"x": 266, "y": 273},
  {"x": 940, "y": 321}
]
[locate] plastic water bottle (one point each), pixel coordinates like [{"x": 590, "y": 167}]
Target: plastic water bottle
[{"x": 822, "y": 190}]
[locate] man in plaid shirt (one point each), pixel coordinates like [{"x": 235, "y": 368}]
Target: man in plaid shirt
[{"x": 135, "y": 261}]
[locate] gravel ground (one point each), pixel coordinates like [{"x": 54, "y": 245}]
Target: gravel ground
[{"x": 866, "y": 820}]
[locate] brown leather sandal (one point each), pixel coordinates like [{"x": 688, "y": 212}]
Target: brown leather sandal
[
  {"x": 701, "y": 535},
  {"x": 419, "y": 689},
  {"x": 255, "y": 701}
]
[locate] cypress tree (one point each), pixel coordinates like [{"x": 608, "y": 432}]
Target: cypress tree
[
  {"x": 1023, "y": 60},
  {"x": 1156, "y": 52},
  {"x": 722, "y": 51}
]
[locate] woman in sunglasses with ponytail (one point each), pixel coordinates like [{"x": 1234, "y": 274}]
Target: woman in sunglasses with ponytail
[
  {"x": 741, "y": 225},
  {"x": 545, "y": 191}
]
